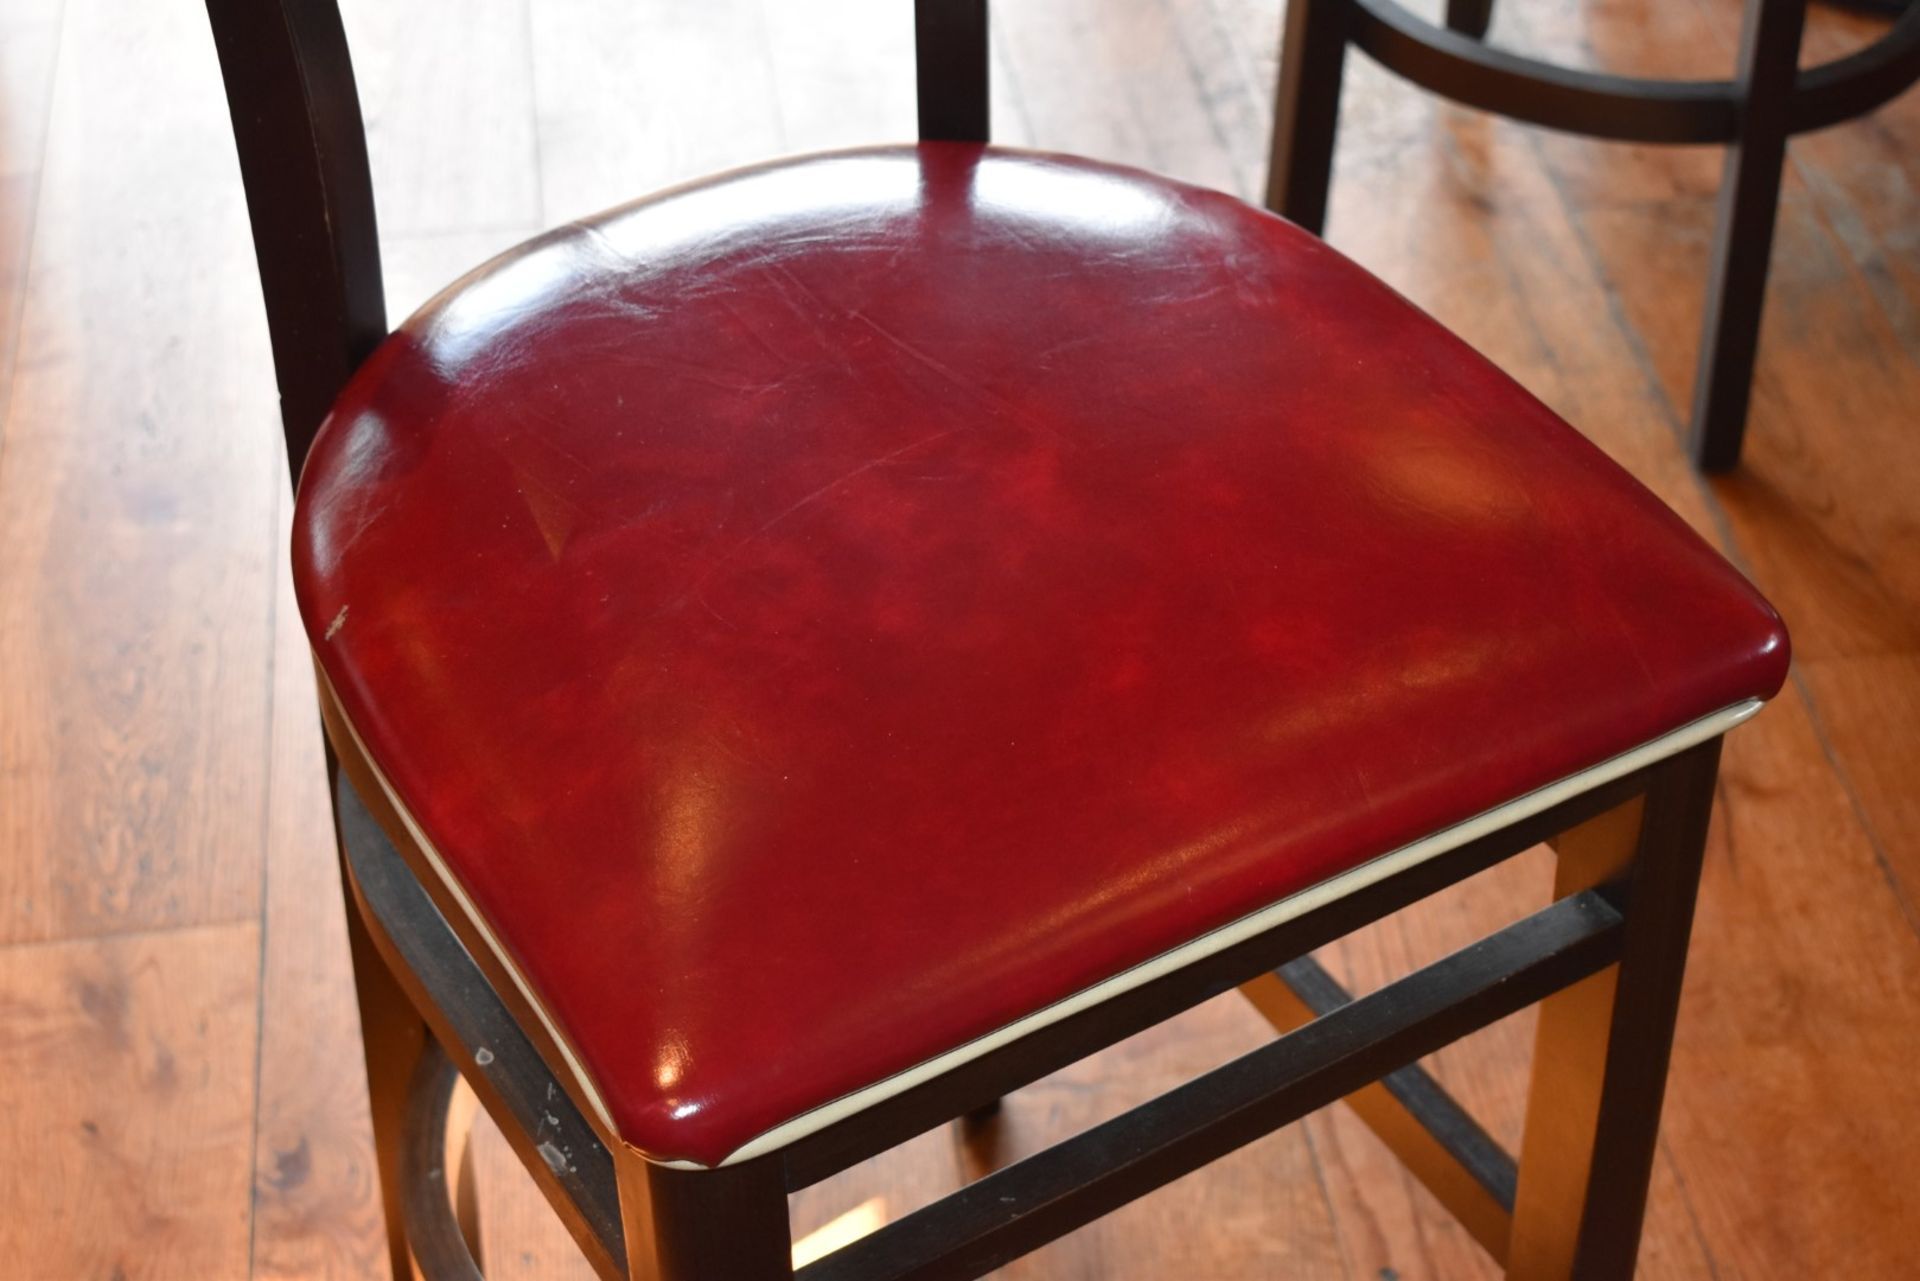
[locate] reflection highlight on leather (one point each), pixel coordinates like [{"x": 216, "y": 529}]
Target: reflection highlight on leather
[{"x": 827, "y": 613}]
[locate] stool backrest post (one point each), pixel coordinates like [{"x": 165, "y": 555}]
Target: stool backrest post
[
  {"x": 303, "y": 160},
  {"x": 950, "y": 62}
]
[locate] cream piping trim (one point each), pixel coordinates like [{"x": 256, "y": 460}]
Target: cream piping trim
[
  {"x": 1287, "y": 909},
  {"x": 1246, "y": 927}
]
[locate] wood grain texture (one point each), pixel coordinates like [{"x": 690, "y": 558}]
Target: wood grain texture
[
  {"x": 123, "y": 1145},
  {"x": 135, "y": 504},
  {"x": 446, "y": 88},
  {"x": 637, "y": 96},
  {"x": 1868, "y": 707},
  {"x": 1116, "y": 83},
  {"x": 842, "y": 74},
  {"x": 1797, "y": 1029}
]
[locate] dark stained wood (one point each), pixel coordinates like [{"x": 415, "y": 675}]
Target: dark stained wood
[
  {"x": 1012, "y": 1211},
  {"x": 1267, "y": 1212},
  {"x": 950, "y": 56},
  {"x": 1743, "y": 233},
  {"x": 303, "y": 158},
  {"x": 1541, "y": 91},
  {"x": 1600, "y": 1058},
  {"x": 1306, "y": 116},
  {"x": 1469, "y": 17},
  {"x": 1435, "y": 1139},
  {"x": 689, "y": 1225},
  {"x": 302, "y": 150},
  {"x": 1659, "y": 891},
  {"x": 442, "y": 114},
  {"x": 1572, "y": 1041},
  {"x": 1817, "y": 512}
]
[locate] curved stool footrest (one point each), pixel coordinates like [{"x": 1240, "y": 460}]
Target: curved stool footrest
[
  {"x": 1624, "y": 108},
  {"x": 440, "y": 1248}
]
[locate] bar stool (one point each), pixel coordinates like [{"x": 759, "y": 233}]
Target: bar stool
[
  {"x": 1767, "y": 101},
  {"x": 811, "y": 651}
]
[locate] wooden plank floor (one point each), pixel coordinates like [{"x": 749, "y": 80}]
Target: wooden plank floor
[{"x": 178, "y": 1045}]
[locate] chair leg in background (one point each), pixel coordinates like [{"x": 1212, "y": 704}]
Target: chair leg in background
[
  {"x": 1743, "y": 233},
  {"x": 1307, "y": 110},
  {"x": 1470, "y": 17}
]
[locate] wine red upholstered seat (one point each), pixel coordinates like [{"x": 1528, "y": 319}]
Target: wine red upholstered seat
[{"x": 826, "y": 615}]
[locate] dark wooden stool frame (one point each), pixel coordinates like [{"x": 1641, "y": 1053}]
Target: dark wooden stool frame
[
  {"x": 1605, "y": 958},
  {"x": 1753, "y": 114}
]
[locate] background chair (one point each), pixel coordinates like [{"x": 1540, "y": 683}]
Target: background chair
[{"x": 1753, "y": 114}]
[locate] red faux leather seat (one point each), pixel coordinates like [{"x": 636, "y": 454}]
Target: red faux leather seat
[{"x": 821, "y": 617}]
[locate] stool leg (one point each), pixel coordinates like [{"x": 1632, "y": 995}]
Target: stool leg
[
  {"x": 1743, "y": 233},
  {"x": 396, "y": 1039},
  {"x": 1307, "y": 110},
  {"x": 1470, "y": 17},
  {"x": 985, "y": 1114},
  {"x": 1600, "y": 1057},
  {"x": 701, "y": 1225}
]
